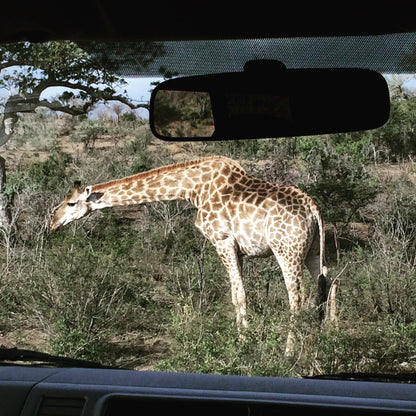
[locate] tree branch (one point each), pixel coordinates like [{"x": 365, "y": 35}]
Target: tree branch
[
  {"x": 8, "y": 64},
  {"x": 56, "y": 106}
]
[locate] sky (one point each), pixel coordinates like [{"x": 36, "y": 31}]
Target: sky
[{"x": 139, "y": 88}]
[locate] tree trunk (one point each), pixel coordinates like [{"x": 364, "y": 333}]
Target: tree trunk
[
  {"x": 6, "y": 132},
  {"x": 332, "y": 313},
  {"x": 5, "y": 218}
]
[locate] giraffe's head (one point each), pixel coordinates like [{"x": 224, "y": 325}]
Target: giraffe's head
[{"x": 76, "y": 205}]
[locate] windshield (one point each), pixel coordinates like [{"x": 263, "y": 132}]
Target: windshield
[{"x": 119, "y": 248}]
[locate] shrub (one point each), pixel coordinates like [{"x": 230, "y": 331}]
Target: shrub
[{"x": 87, "y": 132}]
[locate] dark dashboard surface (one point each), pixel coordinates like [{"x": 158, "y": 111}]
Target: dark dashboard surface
[{"x": 47, "y": 391}]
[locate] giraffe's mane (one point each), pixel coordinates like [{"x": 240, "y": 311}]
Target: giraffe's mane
[{"x": 162, "y": 169}]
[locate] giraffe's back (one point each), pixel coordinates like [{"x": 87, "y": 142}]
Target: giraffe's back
[{"x": 254, "y": 212}]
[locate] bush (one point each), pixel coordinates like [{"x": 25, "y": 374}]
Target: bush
[
  {"x": 87, "y": 132},
  {"x": 210, "y": 344},
  {"x": 43, "y": 176},
  {"x": 398, "y": 135}
]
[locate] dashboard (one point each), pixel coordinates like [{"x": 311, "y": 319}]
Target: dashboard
[{"x": 76, "y": 391}]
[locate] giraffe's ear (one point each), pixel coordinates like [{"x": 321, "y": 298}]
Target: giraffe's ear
[
  {"x": 77, "y": 190},
  {"x": 94, "y": 197},
  {"x": 77, "y": 184}
]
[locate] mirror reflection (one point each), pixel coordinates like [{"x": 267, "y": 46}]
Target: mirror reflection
[{"x": 183, "y": 114}]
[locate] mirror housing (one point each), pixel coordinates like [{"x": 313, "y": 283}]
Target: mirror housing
[{"x": 268, "y": 100}]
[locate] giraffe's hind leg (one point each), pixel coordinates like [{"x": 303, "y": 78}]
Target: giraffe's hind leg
[
  {"x": 293, "y": 282},
  {"x": 227, "y": 252},
  {"x": 291, "y": 267}
]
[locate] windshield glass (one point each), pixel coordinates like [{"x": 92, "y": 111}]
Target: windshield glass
[{"x": 197, "y": 265}]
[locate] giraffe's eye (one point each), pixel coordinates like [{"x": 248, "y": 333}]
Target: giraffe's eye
[{"x": 71, "y": 204}]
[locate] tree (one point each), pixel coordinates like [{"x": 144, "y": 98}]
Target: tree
[
  {"x": 87, "y": 72},
  {"x": 396, "y": 140},
  {"x": 340, "y": 183}
]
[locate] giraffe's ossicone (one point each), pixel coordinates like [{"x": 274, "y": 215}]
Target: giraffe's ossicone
[{"x": 239, "y": 214}]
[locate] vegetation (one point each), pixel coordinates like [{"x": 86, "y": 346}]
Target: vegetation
[
  {"x": 140, "y": 287},
  {"x": 82, "y": 75}
]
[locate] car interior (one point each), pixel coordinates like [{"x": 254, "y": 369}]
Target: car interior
[{"x": 290, "y": 287}]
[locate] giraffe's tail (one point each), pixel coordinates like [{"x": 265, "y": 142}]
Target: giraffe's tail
[
  {"x": 323, "y": 270},
  {"x": 327, "y": 290}
]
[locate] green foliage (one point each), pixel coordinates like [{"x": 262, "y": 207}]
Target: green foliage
[
  {"x": 341, "y": 185},
  {"x": 61, "y": 61},
  {"x": 207, "y": 345},
  {"x": 87, "y": 288},
  {"x": 237, "y": 148},
  {"x": 45, "y": 176},
  {"x": 40, "y": 128},
  {"x": 114, "y": 55},
  {"x": 87, "y": 132},
  {"x": 128, "y": 118},
  {"x": 398, "y": 136},
  {"x": 355, "y": 145}
]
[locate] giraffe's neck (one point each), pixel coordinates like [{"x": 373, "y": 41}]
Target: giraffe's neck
[{"x": 174, "y": 182}]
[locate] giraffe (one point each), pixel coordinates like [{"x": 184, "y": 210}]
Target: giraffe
[{"x": 239, "y": 214}]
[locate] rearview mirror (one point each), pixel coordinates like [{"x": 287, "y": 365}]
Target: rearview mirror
[{"x": 268, "y": 100}]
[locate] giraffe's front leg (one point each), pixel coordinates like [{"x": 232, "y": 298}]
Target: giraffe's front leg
[{"x": 227, "y": 251}]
